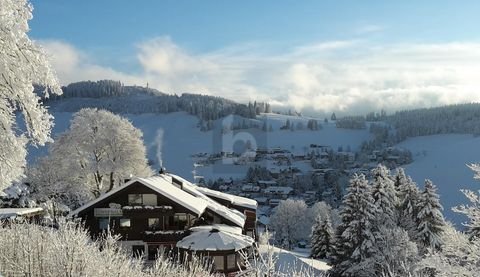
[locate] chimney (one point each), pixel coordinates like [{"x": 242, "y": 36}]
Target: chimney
[{"x": 162, "y": 170}]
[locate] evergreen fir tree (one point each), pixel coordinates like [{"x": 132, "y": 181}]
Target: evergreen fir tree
[
  {"x": 385, "y": 196},
  {"x": 315, "y": 238},
  {"x": 354, "y": 237},
  {"x": 322, "y": 238},
  {"x": 430, "y": 222},
  {"x": 407, "y": 207}
]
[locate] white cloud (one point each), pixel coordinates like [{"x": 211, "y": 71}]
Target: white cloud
[{"x": 345, "y": 76}]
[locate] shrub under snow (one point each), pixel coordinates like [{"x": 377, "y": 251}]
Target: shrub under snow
[{"x": 33, "y": 250}]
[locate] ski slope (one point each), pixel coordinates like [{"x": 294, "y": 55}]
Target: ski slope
[{"x": 443, "y": 159}]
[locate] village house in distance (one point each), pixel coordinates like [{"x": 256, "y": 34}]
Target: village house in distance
[{"x": 166, "y": 212}]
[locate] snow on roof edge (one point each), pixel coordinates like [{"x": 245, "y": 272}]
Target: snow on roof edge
[
  {"x": 234, "y": 199},
  {"x": 230, "y": 214},
  {"x": 198, "y": 210},
  {"x": 19, "y": 211}
]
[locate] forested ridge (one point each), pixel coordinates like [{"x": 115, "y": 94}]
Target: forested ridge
[
  {"x": 118, "y": 98},
  {"x": 458, "y": 119}
]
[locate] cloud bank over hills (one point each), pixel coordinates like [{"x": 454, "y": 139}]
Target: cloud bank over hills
[{"x": 349, "y": 76}]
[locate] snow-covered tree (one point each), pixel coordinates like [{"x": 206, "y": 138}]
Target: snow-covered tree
[
  {"x": 384, "y": 195},
  {"x": 472, "y": 211},
  {"x": 393, "y": 255},
  {"x": 22, "y": 64},
  {"x": 354, "y": 237},
  {"x": 407, "y": 207},
  {"x": 323, "y": 210},
  {"x": 290, "y": 222},
  {"x": 52, "y": 178},
  {"x": 430, "y": 222},
  {"x": 34, "y": 250},
  {"x": 322, "y": 238},
  {"x": 460, "y": 256},
  {"x": 98, "y": 151}
]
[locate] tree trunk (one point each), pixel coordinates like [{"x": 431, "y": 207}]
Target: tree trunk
[{"x": 112, "y": 182}]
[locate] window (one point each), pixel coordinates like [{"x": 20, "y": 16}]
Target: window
[
  {"x": 150, "y": 199},
  {"x": 231, "y": 261},
  {"x": 134, "y": 199},
  {"x": 154, "y": 224},
  {"x": 125, "y": 223},
  {"x": 218, "y": 262},
  {"x": 142, "y": 199},
  {"x": 180, "y": 220},
  {"x": 103, "y": 223}
]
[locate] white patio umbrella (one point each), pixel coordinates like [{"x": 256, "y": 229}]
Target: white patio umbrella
[{"x": 215, "y": 240}]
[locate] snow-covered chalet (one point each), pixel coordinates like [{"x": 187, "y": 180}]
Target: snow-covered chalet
[{"x": 166, "y": 212}]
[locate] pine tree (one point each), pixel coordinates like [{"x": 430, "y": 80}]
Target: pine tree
[
  {"x": 354, "y": 237},
  {"x": 407, "y": 204},
  {"x": 384, "y": 195},
  {"x": 315, "y": 238},
  {"x": 430, "y": 222},
  {"x": 322, "y": 238}
]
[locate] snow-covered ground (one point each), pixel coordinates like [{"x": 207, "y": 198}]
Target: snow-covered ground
[
  {"x": 175, "y": 137},
  {"x": 298, "y": 258},
  {"x": 443, "y": 159}
]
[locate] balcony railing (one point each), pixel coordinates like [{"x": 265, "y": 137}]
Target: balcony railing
[{"x": 165, "y": 236}]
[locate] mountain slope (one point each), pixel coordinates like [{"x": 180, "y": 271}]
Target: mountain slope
[{"x": 443, "y": 159}]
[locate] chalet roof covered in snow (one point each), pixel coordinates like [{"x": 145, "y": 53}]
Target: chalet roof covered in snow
[
  {"x": 18, "y": 212},
  {"x": 231, "y": 214},
  {"x": 215, "y": 240},
  {"x": 234, "y": 199},
  {"x": 164, "y": 187}
]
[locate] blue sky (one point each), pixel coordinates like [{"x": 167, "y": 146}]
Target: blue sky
[{"x": 343, "y": 55}]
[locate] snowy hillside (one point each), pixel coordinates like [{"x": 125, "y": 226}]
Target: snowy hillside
[
  {"x": 174, "y": 137},
  {"x": 443, "y": 159},
  {"x": 179, "y": 137}
]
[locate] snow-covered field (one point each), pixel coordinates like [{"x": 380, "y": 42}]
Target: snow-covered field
[
  {"x": 298, "y": 258},
  {"x": 443, "y": 159},
  {"x": 175, "y": 137}
]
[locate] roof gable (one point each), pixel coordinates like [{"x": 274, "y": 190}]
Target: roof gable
[{"x": 160, "y": 185}]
